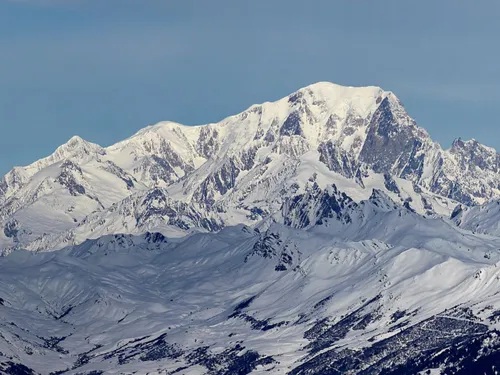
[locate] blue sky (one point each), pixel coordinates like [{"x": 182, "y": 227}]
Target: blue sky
[{"x": 103, "y": 69}]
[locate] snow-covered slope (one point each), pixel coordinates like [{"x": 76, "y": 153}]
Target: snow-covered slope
[
  {"x": 75, "y": 149},
  {"x": 150, "y": 211},
  {"x": 403, "y": 295},
  {"x": 62, "y": 194},
  {"x": 484, "y": 219}
]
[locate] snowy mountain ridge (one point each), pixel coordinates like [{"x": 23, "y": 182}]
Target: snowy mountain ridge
[{"x": 247, "y": 165}]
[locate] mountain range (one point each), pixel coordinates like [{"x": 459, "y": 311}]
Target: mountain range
[{"x": 324, "y": 233}]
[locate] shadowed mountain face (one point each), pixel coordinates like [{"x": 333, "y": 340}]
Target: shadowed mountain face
[{"x": 324, "y": 233}]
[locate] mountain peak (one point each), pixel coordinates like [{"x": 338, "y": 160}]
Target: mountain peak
[
  {"x": 162, "y": 125},
  {"x": 326, "y": 85},
  {"x": 472, "y": 144},
  {"x": 330, "y": 91},
  {"x": 75, "y": 147},
  {"x": 459, "y": 143},
  {"x": 77, "y": 141}
]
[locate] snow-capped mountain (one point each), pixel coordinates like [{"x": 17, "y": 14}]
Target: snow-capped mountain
[
  {"x": 246, "y": 166},
  {"x": 57, "y": 196},
  {"x": 324, "y": 233}
]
